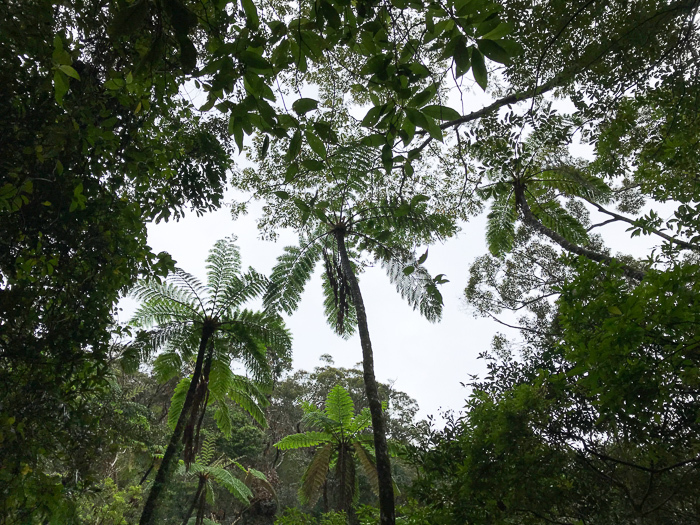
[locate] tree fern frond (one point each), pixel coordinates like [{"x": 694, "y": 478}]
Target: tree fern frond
[
  {"x": 170, "y": 299},
  {"x": 500, "y": 228},
  {"x": 231, "y": 483},
  {"x": 319, "y": 419},
  {"x": 362, "y": 421},
  {"x": 187, "y": 281},
  {"x": 250, "y": 404},
  {"x": 206, "y": 452},
  {"x": 178, "y": 401},
  {"x": 574, "y": 182},
  {"x": 415, "y": 285},
  {"x": 223, "y": 264},
  {"x": 303, "y": 440},
  {"x": 240, "y": 289},
  {"x": 315, "y": 475},
  {"x": 167, "y": 365},
  {"x": 339, "y": 407},
  {"x": 368, "y": 465},
  {"x": 556, "y": 218},
  {"x": 222, "y": 416},
  {"x": 289, "y": 276}
]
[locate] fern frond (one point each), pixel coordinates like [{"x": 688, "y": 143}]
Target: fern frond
[
  {"x": 362, "y": 421},
  {"x": 167, "y": 365},
  {"x": 178, "y": 401},
  {"x": 339, "y": 407},
  {"x": 368, "y": 465},
  {"x": 556, "y": 218},
  {"x": 222, "y": 416},
  {"x": 574, "y": 182},
  {"x": 206, "y": 453},
  {"x": 319, "y": 419},
  {"x": 315, "y": 475},
  {"x": 415, "y": 285},
  {"x": 187, "y": 281},
  {"x": 500, "y": 228},
  {"x": 289, "y": 276},
  {"x": 240, "y": 289},
  {"x": 163, "y": 303},
  {"x": 231, "y": 483},
  {"x": 303, "y": 440},
  {"x": 250, "y": 404},
  {"x": 223, "y": 265}
]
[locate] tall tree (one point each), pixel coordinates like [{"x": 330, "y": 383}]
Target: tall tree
[{"x": 204, "y": 323}]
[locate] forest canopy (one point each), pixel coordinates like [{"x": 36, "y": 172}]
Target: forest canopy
[{"x": 356, "y": 124}]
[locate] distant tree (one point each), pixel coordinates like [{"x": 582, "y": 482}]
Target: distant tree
[{"x": 341, "y": 438}]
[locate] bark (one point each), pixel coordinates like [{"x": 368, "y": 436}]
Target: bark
[
  {"x": 173, "y": 450},
  {"x": 531, "y": 220},
  {"x": 195, "y": 500},
  {"x": 386, "y": 486}
]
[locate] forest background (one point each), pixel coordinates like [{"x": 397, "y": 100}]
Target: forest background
[{"x": 364, "y": 138}]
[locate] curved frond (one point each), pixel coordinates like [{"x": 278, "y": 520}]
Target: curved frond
[
  {"x": 222, "y": 416},
  {"x": 368, "y": 465},
  {"x": 167, "y": 365},
  {"x": 315, "y": 475},
  {"x": 575, "y": 182},
  {"x": 178, "y": 401},
  {"x": 557, "y": 219},
  {"x": 250, "y": 404},
  {"x": 223, "y": 265},
  {"x": 362, "y": 421},
  {"x": 289, "y": 276},
  {"x": 304, "y": 440},
  {"x": 319, "y": 419},
  {"x": 415, "y": 285},
  {"x": 164, "y": 303},
  {"x": 500, "y": 226},
  {"x": 240, "y": 289},
  {"x": 231, "y": 483}
]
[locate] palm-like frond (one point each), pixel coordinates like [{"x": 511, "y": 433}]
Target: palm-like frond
[
  {"x": 289, "y": 276},
  {"x": 225, "y": 385},
  {"x": 231, "y": 483},
  {"x": 315, "y": 475},
  {"x": 239, "y": 289},
  {"x": 164, "y": 303},
  {"x": 178, "y": 401},
  {"x": 339, "y": 407},
  {"x": 574, "y": 182},
  {"x": 167, "y": 365},
  {"x": 500, "y": 228},
  {"x": 304, "y": 440},
  {"x": 415, "y": 285},
  {"x": 368, "y": 465},
  {"x": 223, "y": 265},
  {"x": 557, "y": 219},
  {"x": 361, "y": 422}
]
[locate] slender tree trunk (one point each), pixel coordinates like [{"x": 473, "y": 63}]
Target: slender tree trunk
[
  {"x": 195, "y": 500},
  {"x": 173, "y": 450},
  {"x": 386, "y": 486},
  {"x": 531, "y": 220}
]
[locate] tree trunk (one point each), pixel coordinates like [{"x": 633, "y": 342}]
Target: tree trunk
[
  {"x": 533, "y": 222},
  {"x": 386, "y": 486},
  {"x": 172, "y": 452},
  {"x": 200, "y": 488}
]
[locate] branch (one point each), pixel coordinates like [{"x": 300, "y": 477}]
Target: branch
[
  {"x": 531, "y": 220},
  {"x": 618, "y": 217}
]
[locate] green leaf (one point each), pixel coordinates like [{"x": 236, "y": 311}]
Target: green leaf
[
  {"x": 68, "y": 70},
  {"x": 479, "y": 68},
  {"x": 251, "y": 13},
  {"x": 441, "y": 112},
  {"x": 282, "y": 194},
  {"x": 316, "y": 144},
  {"x": 304, "y": 105},
  {"x": 294, "y": 146},
  {"x": 499, "y": 31},
  {"x": 494, "y": 51}
]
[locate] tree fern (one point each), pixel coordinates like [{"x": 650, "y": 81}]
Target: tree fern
[{"x": 500, "y": 226}]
